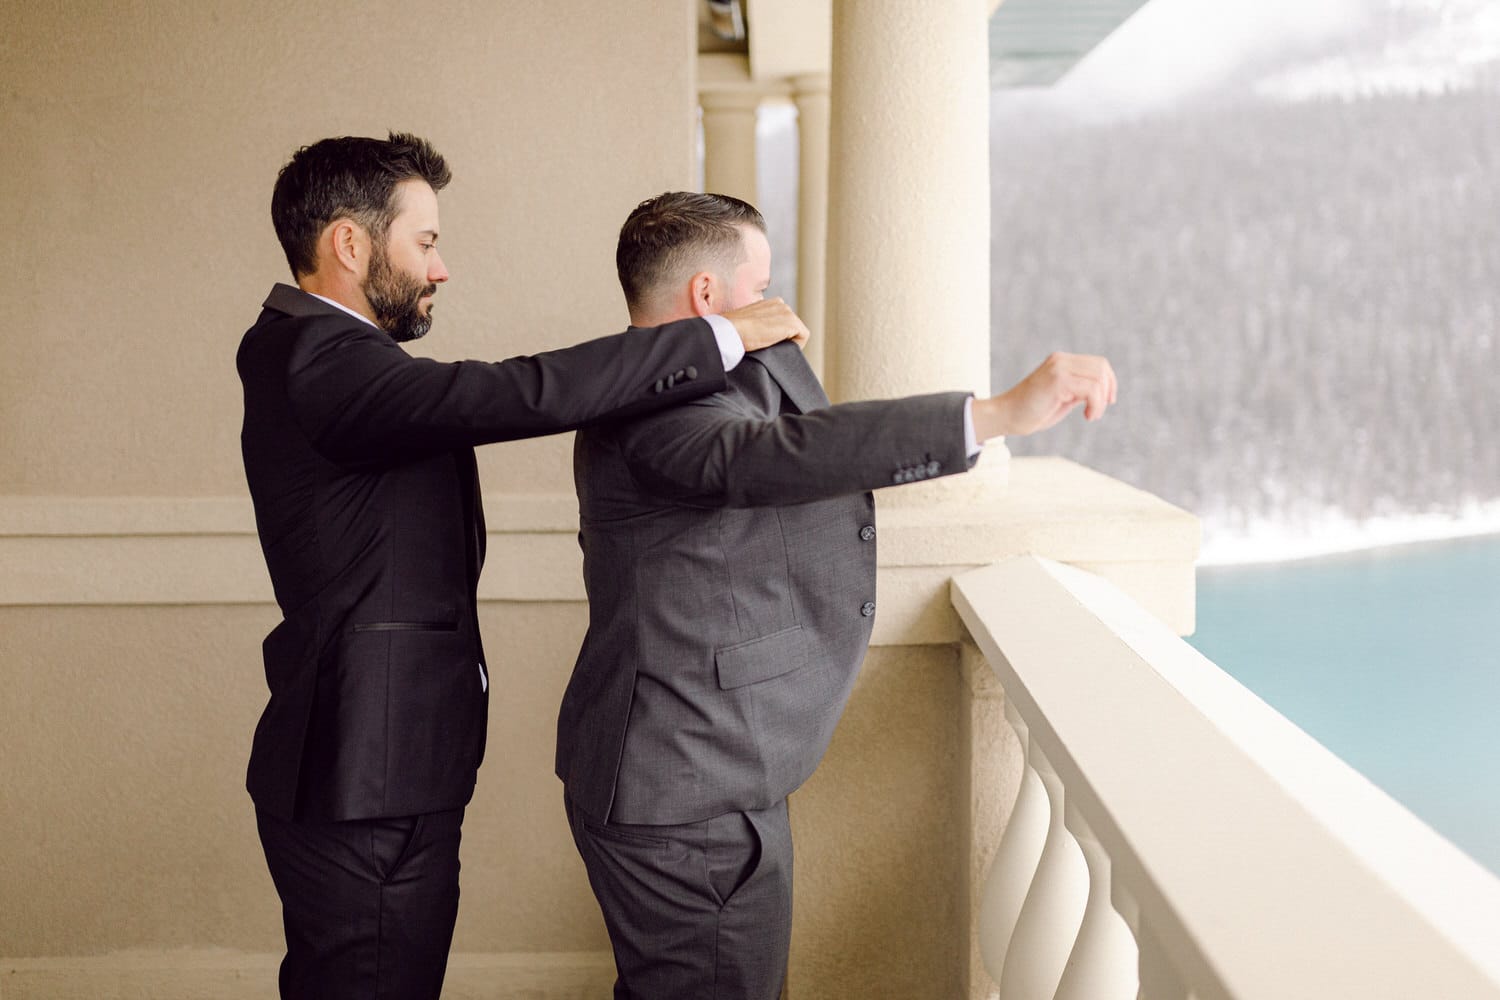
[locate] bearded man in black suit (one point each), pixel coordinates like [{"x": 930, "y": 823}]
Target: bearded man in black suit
[{"x": 360, "y": 462}]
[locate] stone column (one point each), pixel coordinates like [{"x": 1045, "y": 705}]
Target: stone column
[
  {"x": 729, "y": 141},
  {"x": 811, "y": 96},
  {"x": 909, "y": 203},
  {"x": 909, "y": 196}
]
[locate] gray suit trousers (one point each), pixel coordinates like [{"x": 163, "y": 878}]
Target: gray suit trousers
[{"x": 698, "y": 911}]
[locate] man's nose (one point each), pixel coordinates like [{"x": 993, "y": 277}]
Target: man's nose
[{"x": 437, "y": 272}]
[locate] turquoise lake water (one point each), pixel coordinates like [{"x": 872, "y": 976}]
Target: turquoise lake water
[{"x": 1390, "y": 658}]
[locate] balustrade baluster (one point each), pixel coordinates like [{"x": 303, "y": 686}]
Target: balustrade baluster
[
  {"x": 1050, "y": 917},
  {"x": 1015, "y": 862},
  {"x": 1104, "y": 963}
]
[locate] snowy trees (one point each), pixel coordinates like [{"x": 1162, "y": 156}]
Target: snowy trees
[{"x": 1301, "y": 299}]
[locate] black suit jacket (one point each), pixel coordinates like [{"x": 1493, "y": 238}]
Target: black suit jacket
[
  {"x": 360, "y": 463},
  {"x": 729, "y": 556}
]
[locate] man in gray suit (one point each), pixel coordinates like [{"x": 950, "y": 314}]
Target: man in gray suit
[{"x": 729, "y": 559}]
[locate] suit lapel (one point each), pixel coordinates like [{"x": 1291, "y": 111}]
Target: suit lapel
[{"x": 789, "y": 368}]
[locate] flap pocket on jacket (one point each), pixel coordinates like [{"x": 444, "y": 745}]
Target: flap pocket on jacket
[{"x": 761, "y": 659}]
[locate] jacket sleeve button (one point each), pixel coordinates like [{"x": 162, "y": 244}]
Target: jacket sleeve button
[
  {"x": 692, "y": 372},
  {"x": 933, "y": 467}
]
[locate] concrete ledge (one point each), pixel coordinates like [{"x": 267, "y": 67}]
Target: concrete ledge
[
  {"x": 186, "y": 551},
  {"x": 234, "y": 975},
  {"x": 1049, "y": 507}
]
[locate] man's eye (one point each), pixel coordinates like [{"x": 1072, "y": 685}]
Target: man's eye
[{"x": 428, "y": 246}]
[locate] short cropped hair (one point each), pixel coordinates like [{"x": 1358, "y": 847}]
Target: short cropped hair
[
  {"x": 673, "y": 236},
  {"x": 347, "y": 177}
]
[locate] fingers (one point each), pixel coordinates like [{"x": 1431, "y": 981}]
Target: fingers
[
  {"x": 1087, "y": 379},
  {"x": 1110, "y": 381},
  {"x": 1108, "y": 387},
  {"x": 794, "y": 328},
  {"x": 799, "y": 330},
  {"x": 769, "y": 321},
  {"x": 1061, "y": 384}
]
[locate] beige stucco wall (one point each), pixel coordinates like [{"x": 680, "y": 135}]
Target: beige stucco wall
[
  {"x": 881, "y": 901},
  {"x": 142, "y": 142},
  {"x": 122, "y": 811},
  {"x": 128, "y": 634},
  {"x": 125, "y": 825},
  {"x": 142, "y": 139}
]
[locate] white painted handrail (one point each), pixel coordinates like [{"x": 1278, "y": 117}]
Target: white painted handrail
[{"x": 1246, "y": 861}]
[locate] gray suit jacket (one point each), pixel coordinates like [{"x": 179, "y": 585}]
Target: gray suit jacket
[{"x": 729, "y": 558}]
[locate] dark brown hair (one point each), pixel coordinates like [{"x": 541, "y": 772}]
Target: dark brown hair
[
  {"x": 347, "y": 178},
  {"x": 674, "y": 235}
]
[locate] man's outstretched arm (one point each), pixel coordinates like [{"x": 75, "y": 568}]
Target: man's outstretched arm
[
  {"x": 705, "y": 454},
  {"x": 362, "y": 398}
]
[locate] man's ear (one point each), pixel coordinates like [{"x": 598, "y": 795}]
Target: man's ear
[
  {"x": 704, "y": 290},
  {"x": 350, "y": 245}
]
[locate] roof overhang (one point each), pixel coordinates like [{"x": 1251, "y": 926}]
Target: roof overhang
[{"x": 1034, "y": 43}]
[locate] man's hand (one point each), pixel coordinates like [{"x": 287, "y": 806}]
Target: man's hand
[
  {"x": 767, "y": 322},
  {"x": 1048, "y": 394}
]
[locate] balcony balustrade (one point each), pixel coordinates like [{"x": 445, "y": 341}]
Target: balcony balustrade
[{"x": 1174, "y": 837}]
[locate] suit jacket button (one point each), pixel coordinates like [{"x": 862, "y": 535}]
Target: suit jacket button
[
  {"x": 867, "y": 609},
  {"x": 660, "y": 385},
  {"x": 867, "y": 533},
  {"x": 896, "y": 479},
  {"x": 692, "y": 372},
  {"x": 933, "y": 468}
]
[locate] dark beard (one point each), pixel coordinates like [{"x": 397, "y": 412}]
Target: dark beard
[{"x": 396, "y": 299}]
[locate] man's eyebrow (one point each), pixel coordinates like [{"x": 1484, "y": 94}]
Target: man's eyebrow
[{"x": 430, "y": 233}]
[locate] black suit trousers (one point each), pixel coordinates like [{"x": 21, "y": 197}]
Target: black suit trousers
[{"x": 368, "y": 905}]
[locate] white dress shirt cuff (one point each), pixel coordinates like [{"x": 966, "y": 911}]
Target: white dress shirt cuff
[
  {"x": 973, "y": 446},
  {"x": 731, "y": 349}
]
